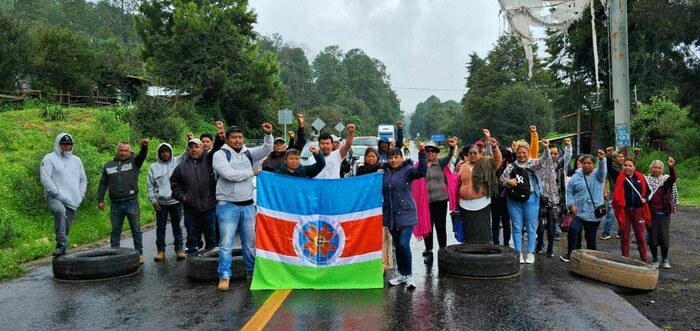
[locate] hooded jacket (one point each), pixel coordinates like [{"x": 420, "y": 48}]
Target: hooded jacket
[
  {"x": 235, "y": 182},
  {"x": 159, "y": 177},
  {"x": 399, "y": 207},
  {"x": 122, "y": 177},
  {"x": 193, "y": 182},
  {"x": 577, "y": 192},
  {"x": 63, "y": 176}
]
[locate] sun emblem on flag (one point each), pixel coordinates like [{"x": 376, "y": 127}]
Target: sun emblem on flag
[{"x": 319, "y": 242}]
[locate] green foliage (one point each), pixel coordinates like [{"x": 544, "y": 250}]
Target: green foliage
[
  {"x": 109, "y": 131},
  {"x": 434, "y": 117},
  {"x": 155, "y": 117},
  {"x": 14, "y": 51},
  {"x": 207, "y": 48},
  {"x": 53, "y": 113},
  {"x": 7, "y": 226},
  {"x": 63, "y": 61}
]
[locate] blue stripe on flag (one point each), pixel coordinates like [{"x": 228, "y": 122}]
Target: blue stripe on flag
[{"x": 304, "y": 196}]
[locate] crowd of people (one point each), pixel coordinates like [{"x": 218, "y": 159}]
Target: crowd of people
[{"x": 499, "y": 193}]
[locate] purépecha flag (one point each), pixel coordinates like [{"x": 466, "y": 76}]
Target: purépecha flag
[{"x": 318, "y": 233}]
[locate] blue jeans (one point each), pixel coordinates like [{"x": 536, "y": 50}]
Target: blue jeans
[
  {"x": 174, "y": 211},
  {"x": 402, "y": 243},
  {"x": 231, "y": 219},
  {"x": 524, "y": 213},
  {"x": 198, "y": 223},
  {"x": 131, "y": 210},
  {"x": 607, "y": 227}
]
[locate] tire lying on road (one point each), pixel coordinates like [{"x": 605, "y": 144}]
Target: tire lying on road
[
  {"x": 206, "y": 268},
  {"x": 97, "y": 264},
  {"x": 614, "y": 269},
  {"x": 478, "y": 261}
]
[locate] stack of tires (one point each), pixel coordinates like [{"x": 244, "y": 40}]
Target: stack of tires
[
  {"x": 206, "y": 268},
  {"x": 478, "y": 261},
  {"x": 614, "y": 269},
  {"x": 97, "y": 264}
]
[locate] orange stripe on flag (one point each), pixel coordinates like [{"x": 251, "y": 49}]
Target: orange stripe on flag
[
  {"x": 362, "y": 236},
  {"x": 274, "y": 235}
]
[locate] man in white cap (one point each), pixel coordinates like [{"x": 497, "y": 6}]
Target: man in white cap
[
  {"x": 64, "y": 181},
  {"x": 193, "y": 184}
]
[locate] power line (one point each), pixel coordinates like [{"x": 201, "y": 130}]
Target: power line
[{"x": 430, "y": 89}]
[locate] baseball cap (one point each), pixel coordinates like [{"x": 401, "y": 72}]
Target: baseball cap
[
  {"x": 279, "y": 139},
  {"x": 480, "y": 143},
  {"x": 66, "y": 140},
  {"x": 194, "y": 141}
]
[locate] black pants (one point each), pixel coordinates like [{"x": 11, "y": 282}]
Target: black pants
[
  {"x": 574, "y": 235},
  {"x": 174, "y": 211},
  {"x": 438, "y": 216},
  {"x": 500, "y": 217},
  {"x": 548, "y": 222},
  {"x": 200, "y": 223}
]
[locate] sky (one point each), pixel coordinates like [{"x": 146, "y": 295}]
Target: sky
[{"x": 424, "y": 43}]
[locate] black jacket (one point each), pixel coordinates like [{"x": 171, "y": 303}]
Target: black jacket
[
  {"x": 194, "y": 179},
  {"x": 121, "y": 177},
  {"x": 305, "y": 171}
]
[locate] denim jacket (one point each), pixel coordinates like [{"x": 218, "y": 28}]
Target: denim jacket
[{"x": 577, "y": 194}]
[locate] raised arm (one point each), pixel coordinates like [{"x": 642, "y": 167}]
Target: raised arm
[
  {"x": 534, "y": 142},
  {"x": 399, "y": 134},
  {"x": 422, "y": 169},
  {"x": 317, "y": 167},
  {"x": 602, "y": 170},
  {"x": 300, "y": 141},
  {"x": 348, "y": 143},
  {"x": 491, "y": 141},
  {"x": 452, "y": 143},
  {"x": 141, "y": 156}
]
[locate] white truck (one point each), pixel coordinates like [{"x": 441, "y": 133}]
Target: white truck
[{"x": 386, "y": 131}]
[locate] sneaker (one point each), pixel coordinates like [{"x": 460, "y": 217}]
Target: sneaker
[
  {"x": 665, "y": 264},
  {"x": 655, "y": 264},
  {"x": 539, "y": 251},
  {"x": 223, "y": 284},
  {"x": 60, "y": 251},
  {"x": 522, "y": 258},
  {"x": 159, "y": 256},
  {"x": 550, "y": 254},
  {"x": 409, "y": 283},
  {"x": 180, "y": 255},
  {"x": 210, "y": 252},
  {"x": 427, "y": 252},
  {"x": 400, "y": 279},
  {"x": 249, "y": 278},
  {"x": 618, "y": 235},
  {"x": 530, "y": 258},
  {"x": 565, "y": 258},
  {"x": 605, "y": 236},
  {"x": 140, "y": 259}
]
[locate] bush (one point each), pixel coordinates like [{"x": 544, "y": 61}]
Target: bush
[
  {"x": 109, "y": 131},
  {"x": 7, "y": 226},
  {"x": 53, "y": 113},
  {"x": 158, "y": 118}
]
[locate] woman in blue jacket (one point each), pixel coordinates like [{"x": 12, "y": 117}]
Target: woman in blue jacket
[
  {"x": 583, "y": 193},
  {"x": 399, "y": 208}
]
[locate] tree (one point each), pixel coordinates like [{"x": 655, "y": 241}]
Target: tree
[
  {"x": 14, "y": 51},
  {"x": 331, "y": 77},
  {"x": 208, "y": 49},
  {"x": 63, "y": 61},
  {"x": 296, "y": 75}
]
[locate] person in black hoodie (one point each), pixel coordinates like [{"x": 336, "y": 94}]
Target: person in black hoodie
[
  {"x": 121, "y": 176},
  {"x": 276, "y": 159},
  {"x": 371, "y": 164},
  {"x": 193, "y": 183}
]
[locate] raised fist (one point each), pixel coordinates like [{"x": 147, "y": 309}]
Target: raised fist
[
  {"x": 487, "y": 133},
  {"x": 609, "y": 150},
  {"x": 351, "y": 128},
  {"x": 601, "y": 154},
  {"x": 671, "y": 162},
  {"x": 266, "y": 127},
  {"x": 452, "y": 142},
  {"x": 219, "y": 125},
  {"x": 190, "y": 136},
  {"x": 533, "y": 128},
  {"x": 567, "y": 141},
  {"x": 291, "y": 134},
  {"x": 313, "y": 150},
  {"x": 399, "y": 125},
  {"x": 144, "y": 142},
  {"x": 545, "y": 142},
  {"x": 300, "y": 119}
]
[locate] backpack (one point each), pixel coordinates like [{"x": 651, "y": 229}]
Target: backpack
[
  {"x": 246, "y": 152},
  {"x": 520, "y": 192}
]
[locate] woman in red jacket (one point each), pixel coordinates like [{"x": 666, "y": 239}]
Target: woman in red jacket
[{"x": 631, "y": 207}]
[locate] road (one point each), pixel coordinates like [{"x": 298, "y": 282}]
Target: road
[{"x": 543, "y": 296}]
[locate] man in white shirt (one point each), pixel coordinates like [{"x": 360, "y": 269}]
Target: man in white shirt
[{"x": 334, "y": 158}]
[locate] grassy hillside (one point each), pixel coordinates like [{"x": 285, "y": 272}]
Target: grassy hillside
[{"x": 26, "y": 225}]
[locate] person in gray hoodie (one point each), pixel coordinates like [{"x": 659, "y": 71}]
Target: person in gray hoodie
[
  {"x": 160, "y": 195},
  {"x": 63, "y": 177},
  {"x": 121, "y": 176},
  {"x": 234, "y": 194}
]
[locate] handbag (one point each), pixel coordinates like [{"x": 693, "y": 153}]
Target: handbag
[
  {"x": 566, "y": 221},
  {"x": 599, "y": 211}
]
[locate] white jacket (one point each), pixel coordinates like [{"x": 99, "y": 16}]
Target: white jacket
[
  {"x": 235, "y": 182},
  {"x": 63, "y": 176},
  {"x": 158, "y": 183}
]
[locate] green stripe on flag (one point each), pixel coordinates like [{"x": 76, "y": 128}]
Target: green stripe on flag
[{"x": 273, "y": 275}]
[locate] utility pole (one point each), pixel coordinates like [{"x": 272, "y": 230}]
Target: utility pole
[{"x": 620, "y": 73}]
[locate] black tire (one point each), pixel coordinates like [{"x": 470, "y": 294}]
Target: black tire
[
  {"x": 96, "y": 264},
  {"x": 206, "y": 269},
  {"x": 478, "y": 261}
]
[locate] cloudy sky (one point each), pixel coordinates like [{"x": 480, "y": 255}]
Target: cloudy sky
[{"x": 423, "y": 43}]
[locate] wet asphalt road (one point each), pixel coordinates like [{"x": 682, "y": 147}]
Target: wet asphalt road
[{"x": 543, "y": 296}]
